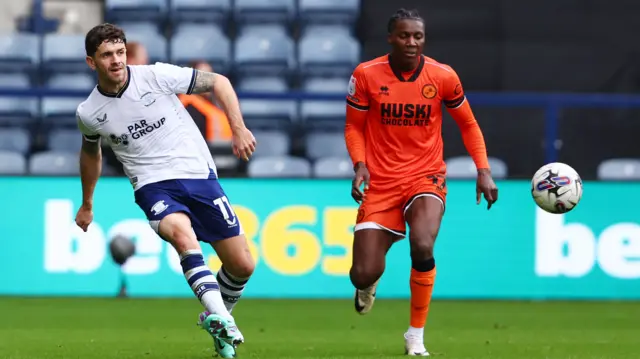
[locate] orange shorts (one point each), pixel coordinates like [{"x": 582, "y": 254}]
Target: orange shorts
[{"x": 384, "y": 206}]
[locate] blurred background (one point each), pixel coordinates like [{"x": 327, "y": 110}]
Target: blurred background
[{"x": 547, "y": 80}]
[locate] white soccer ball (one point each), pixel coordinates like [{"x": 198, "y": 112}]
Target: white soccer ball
[{"x": 556, "y": 188}]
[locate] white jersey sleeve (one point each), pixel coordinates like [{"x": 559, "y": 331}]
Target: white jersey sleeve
[
  {"x": 89, "y": 134},
  {"x": 174, "y": 79}
]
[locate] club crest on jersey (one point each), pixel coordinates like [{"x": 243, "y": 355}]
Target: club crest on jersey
[
  {"x": 429, "y": 91},
  {"x": 147, "y": 100},
  {"x": 352, "y": 86}
]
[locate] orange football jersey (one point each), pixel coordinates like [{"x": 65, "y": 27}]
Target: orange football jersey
[{"x": 403, "y": 126}]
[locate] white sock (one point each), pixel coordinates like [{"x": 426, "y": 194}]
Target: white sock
[
  {"x": 203, "y": 282},
  {"x": 415, "y": 332}
]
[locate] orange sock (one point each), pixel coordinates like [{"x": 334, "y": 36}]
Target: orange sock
[{"x": 421, "y": 289}]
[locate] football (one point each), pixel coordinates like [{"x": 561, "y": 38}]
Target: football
[{"x": 556, "y": 188}]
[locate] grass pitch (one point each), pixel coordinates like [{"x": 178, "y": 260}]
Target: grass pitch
[{"x": 158, "y": 329}]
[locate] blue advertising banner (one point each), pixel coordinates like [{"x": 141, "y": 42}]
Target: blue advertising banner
[{"x": 300, "y": 232}]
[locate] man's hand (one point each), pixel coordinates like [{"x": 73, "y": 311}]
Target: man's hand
[
  {"x": 486, "y": 186},
  {"x": 84, "y": 217},
  {"x": 244, "y": 144},
  {"x": 361, "y": 176}
]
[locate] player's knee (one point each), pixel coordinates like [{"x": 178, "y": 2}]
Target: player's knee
[
  {"x": 422, "y": 243},
  {"x": 176, "y": 229},
  {"x": 363, "y": 276},
  {"x": 241, "y": 269}
]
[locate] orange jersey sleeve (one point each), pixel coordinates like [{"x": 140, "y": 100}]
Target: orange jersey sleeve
[
  {"x": 458, "y": 107},
  {"x": 357, "y": 108}
]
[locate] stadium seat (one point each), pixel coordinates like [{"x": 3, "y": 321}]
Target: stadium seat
[
  {"x": 54, "y": 163},
  {"x": 72, "y": 82},
  {"x": 329, "y": 11},
  {"x": 64, "y": 53},
  {"x": 55, "y": 108},
  {"x": 264, "y": 54},
  {"x": 135, "y": 10},
  {"x": 323, "y": 115},
  {"x": 333, "y": 167},
  {"x": 19, "y": 52},
  {"x": 15, "y": 139},
  {"x": 463, "y": 167},
  {"x": 271, "y": 143},
  {"x": 335, "y": 85},
  {"x": 68, "y": 140},
  {"x": 279, "y": 166},
  {"x": 18, "y": 110},
  {"x": 208, "y": 11},
  {"x": 15, "y": 80},
  {"x": 263, "y": 84},
  {"x": 263, "y": 11},
  {"x": 139, "y": 26},
  {"x": 201, "y": 42},
  {"x": 156, "y": 45},
  {"x": 619, "y": 169},
  {"x": 315, "y": 29},
  {"x": 271, "y": 29},
  {"x": 281, "y": 110},
  {"x": 326, "y": 145},
  {"x": 328, "y": 54},
  {"x": 12, "y": 163}
]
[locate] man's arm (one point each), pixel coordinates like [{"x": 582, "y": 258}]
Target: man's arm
[
  {"x": 90, "y": 169},
  {"x": 224, "y": 93},
  {"x": 459, "y": 108},
  {"x": 357, "y": 108}
]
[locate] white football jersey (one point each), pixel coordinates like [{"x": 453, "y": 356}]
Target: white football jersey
[{"x": 146, "y": 125}]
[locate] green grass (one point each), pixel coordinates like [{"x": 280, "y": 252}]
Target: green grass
[{"x": 154, "y": 329}]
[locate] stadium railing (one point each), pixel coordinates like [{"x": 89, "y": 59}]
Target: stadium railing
[{"x": 552, "y": 103}]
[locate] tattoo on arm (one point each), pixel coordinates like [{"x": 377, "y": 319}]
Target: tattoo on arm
[{"x": 204, "y": 82}]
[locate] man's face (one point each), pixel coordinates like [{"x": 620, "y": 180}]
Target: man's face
[
  {"x": 110, "y": 61},
  {"x": 407, "y": 38}
]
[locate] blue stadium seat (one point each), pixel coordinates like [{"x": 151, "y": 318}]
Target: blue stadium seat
[
  {"x": 271, "y": 143},
  {"x": 263, "y": 84},
  {"x": 138, "y": 27},
  {"x": 328, "y": 54},
  {"x": 15, "y": 80},
  {"x": 264, "y": 11},
  {"x": 72, "y": 82},
  {"x": 55, "y": 109},
  {"x": 463, "y": 167},
  {"x": 333, "y": 167},
  {"x": 332, "y": 85},
  {"x": 12, "y": 163},
  {"x": 156, "y": 45},
  {"x": 270, "y": 29},
  {"x": 64, "y": 54},
  {"x": 135, "y": 10},
  {"x": 323, "y": 115},
  {"x": 19, "y": 52},
  {"x": 315, "y": 29},
  {"x": 280, "y": 110},
  {"x": 68, "y": 140},
  {"x": 619, "y": 169},
  {"x": 54, "y": 163},
  {"x": 15, "y": 140},
  {"x": 18, "y": 110},
  {"x": 201, "y": 42},
  {"x": 329, "y": 11},
  {"x": 279, "y": 167},
  {"x": 264, "y": 54},
  {"x": 320, "y": 145},
  {"x": 208, "y": 11}
]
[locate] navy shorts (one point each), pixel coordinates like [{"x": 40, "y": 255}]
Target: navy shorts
[{"x": 203, "y": 200}]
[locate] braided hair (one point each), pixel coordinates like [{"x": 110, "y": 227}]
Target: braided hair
[{"x": 403, "y": 14}]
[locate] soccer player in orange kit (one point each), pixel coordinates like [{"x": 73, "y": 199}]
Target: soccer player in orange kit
[{"x": 393, "y": 134}]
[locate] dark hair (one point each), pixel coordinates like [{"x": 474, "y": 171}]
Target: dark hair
[
  {"x": 403, "y": 14},
  {"x": 101, "y": 33}
]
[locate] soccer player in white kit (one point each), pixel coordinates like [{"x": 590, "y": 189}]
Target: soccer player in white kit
[{"x": 136, "y": 111}]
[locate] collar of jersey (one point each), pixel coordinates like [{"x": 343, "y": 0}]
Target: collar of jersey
[
  {"x": 413, "y": 77},
  {"x": 122, "y": 90}
]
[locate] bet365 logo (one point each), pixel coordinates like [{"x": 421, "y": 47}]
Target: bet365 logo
[{"x": 573, "y": 249}]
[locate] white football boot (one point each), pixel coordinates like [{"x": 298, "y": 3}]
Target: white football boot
[
  {"x": 363, "y": 299},
  {"x": 414, "y": 346}
]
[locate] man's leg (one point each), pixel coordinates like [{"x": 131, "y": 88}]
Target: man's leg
[
  {"x": 237, "y": 267},
  {"x": 424, "y": 215}
]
